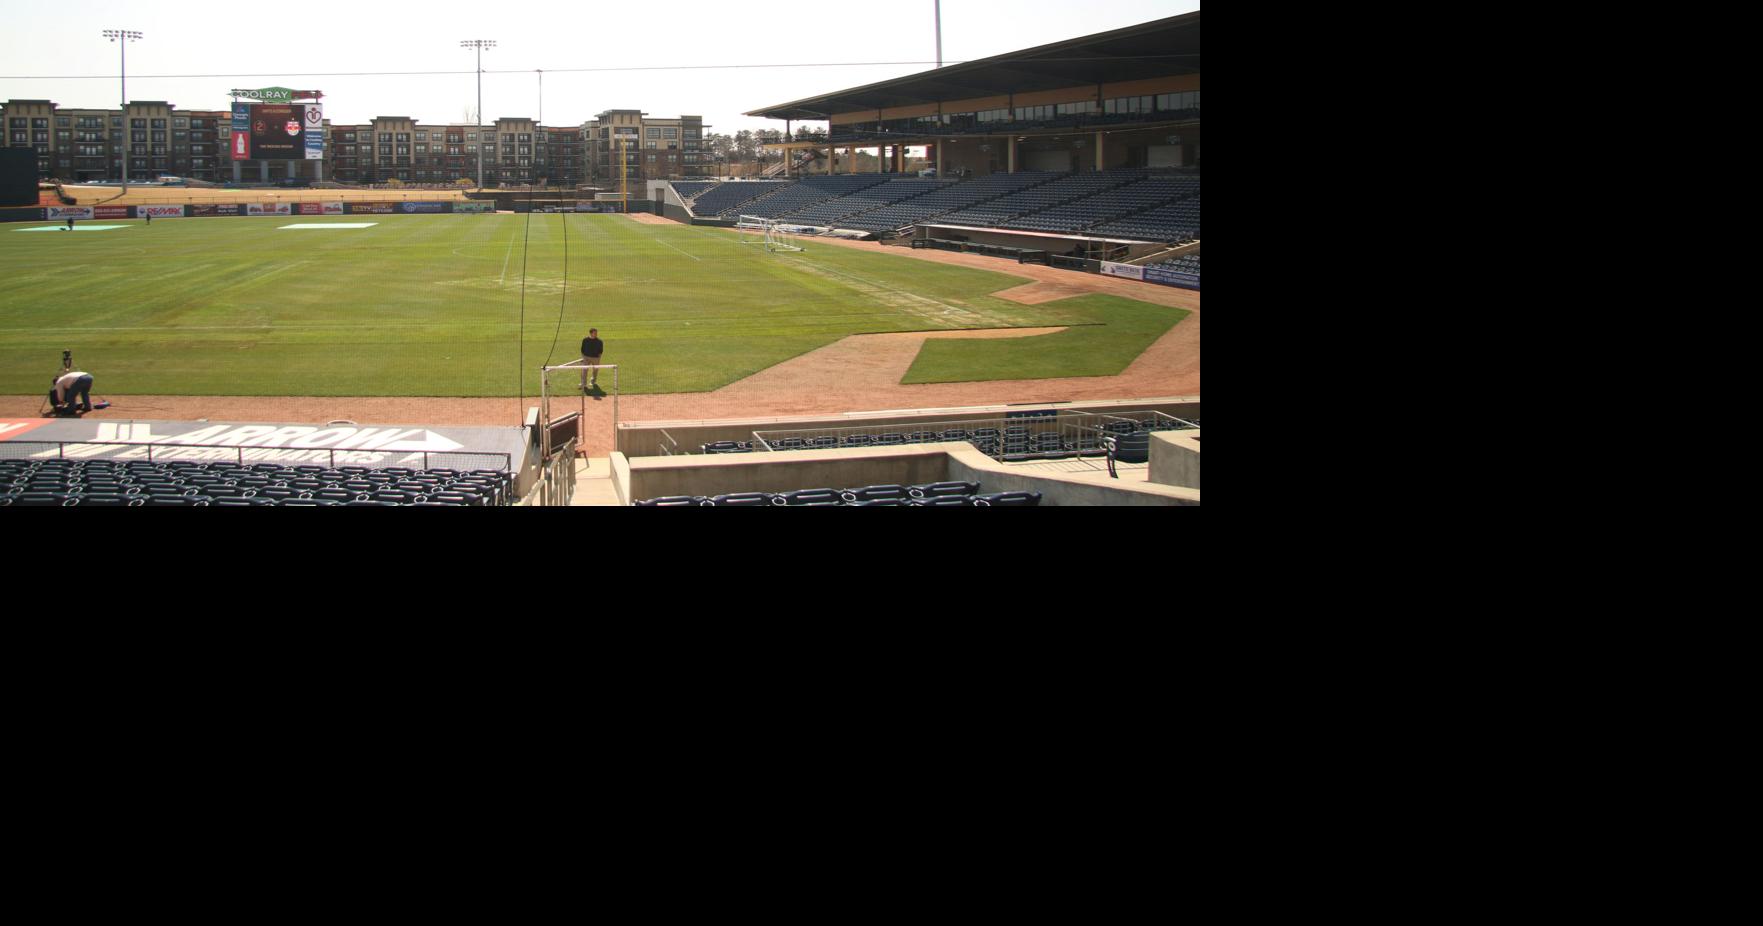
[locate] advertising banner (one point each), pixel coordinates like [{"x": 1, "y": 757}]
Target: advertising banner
[
  {"x": 474, "y": 207},
  {"x": 314, "y": 131},
  {"x": 312, "y": 208},
  {"x": 110, "y": 212},
  {"x": 161, "y": 212},
  {"x": 278, "y": 132},
  {"x": 70, "y": 212},
  {"x": 1171, "y": 278},
  {"x": 241, "y": 131},
  {"x": 332, "y": 208},
  {"x": 372, "y": 208},
  {"x": 424, "y": 207},
  {"x": 1123, "y": 270},
  {"x": 269, "y": 209},
  {"x": 228, "y": 209},
  {"x": 21, "y": 215}
]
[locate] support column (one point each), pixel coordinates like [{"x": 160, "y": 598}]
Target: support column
[
  {"x": 939, "y": 160},
  {"x": 1101, "y": 158},
  {"x": 318, "y": 171},
  {"x": 881, "y": 159},
  {"x": 852, "y": 167},
  {"x": 236, "y": 166},
  {"x": 1012, "y": 144},
  {"x": 263, "y": 170},
  {"x": 899, "y": 159}
]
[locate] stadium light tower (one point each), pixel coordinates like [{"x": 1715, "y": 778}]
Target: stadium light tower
[
  {"x": 122, "y": 37},
  {"x": 480, "y": 45}
]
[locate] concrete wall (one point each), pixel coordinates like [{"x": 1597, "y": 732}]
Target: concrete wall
[
  {"x": 1052, "y": 245},
  {"x": 1175, "y": 458},
  {"x": 644, "y": 438},
  {"x": 787, "y": 471}
]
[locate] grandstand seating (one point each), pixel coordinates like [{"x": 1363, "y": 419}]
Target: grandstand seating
[
  {"x": 948, "y": 199},
  {"x": 1187, "y": 263},
  {"x": 1109, "y": 205},
  {"x": 180, "y": 483},
  {"x": 934, "y": 495},
  {"x": 1177, "y": 221},
  {"x": 727, "y": 196},
  {"x": 832, "y": 211},
  {"x": 1044, "y": 196},
  {"x": 800, "y": 195},
  {"x": 687, "y": 189}
]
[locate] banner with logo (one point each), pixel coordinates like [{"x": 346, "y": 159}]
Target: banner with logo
[
  {"x": 425, "y": 207},
  {"x": 332, "y": 208},
  {"x": 70, "y": 212},
  {"x": 314, "y": 131},
  {"x": 312, "y": 208},
  {"x": 241, "y": 131},
  {"x": 161, "y": 212},
  {"x": 1171, "y": 278},
  {"x": 474, "y": 207},
  {"x": 371, "y": 208},
  {"x": 1123, "y": 270},
  {"x": 227, "y": 209},
  {"x": 269, "y": 209},
  {"x": 111, "y": 212}
]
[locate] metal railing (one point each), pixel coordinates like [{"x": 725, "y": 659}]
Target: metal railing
[
  {"x": 556, "y": 484},
  {"x": 373, "y": 459},
  {"x": 1066, "y": 434}
]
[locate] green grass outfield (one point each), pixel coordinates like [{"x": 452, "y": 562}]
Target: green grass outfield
[{"x": 431, "y": 306}]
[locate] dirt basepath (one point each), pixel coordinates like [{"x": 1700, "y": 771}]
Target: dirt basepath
[{"x": 859, "y": 373}]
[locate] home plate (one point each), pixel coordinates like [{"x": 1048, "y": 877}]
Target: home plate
[
  {"x": 76, "y": 228},
  {"x": 332, "y": 225}
]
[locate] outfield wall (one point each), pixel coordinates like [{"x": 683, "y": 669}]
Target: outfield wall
[{"x": 209, "y": 210}]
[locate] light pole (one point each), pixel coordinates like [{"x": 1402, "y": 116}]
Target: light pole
[
  {"x": 480, "y": 45},
  {"x": 122, "y": 37}
]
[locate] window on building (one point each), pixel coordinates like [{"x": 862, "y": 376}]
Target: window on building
[
  {"x": 64, "y": 122},
  {"x": 159, "y": 123},
  {"x": 422, "y": 136},
  {"x": 180, "y": 123}
]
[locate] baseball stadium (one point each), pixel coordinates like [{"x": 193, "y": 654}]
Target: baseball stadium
[{"x": 978, "y": 287}]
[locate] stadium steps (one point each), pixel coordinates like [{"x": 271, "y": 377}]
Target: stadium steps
[{"x": 593, "y": 484}]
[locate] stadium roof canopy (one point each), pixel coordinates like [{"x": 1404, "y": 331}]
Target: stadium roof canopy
[{"x": 1155, "y": 49}]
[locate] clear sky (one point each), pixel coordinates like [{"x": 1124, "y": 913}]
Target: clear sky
[{"x": 55, "y": 51}]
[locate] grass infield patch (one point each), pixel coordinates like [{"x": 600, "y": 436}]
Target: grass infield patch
[{"x": 1110, "y": 333}]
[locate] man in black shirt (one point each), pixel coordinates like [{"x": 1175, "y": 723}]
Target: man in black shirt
[{"x": 592, "y": 349}]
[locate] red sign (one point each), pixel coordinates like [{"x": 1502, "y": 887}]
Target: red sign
[
  {"x": 110, "y": 212},
  {"x": 241, "y": 146},
  {"x": 312, "y": 208}
]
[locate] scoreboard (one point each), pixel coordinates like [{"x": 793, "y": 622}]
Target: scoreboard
[{"x": 278, "y": 131}]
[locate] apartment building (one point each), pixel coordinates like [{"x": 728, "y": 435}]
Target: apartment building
[
  {"x": 154, "y": 138},
  {"x": 652, "y": 148}
]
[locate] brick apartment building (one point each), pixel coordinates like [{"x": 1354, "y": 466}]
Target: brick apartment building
[
  {"x": 154, "y": 138},
  {"x": 653, "y": 148}
]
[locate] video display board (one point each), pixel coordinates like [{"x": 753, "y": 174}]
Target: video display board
[{"x": 278, "y": 131}]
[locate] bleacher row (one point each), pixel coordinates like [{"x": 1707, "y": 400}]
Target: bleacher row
[
  {"x": 1129, "y": 203},
  {"x": 934, "y": 495},
  {"x": 1014, "y": 444},
  {"x": 136, "y": 483},
  {"x": 1187, "y": 263}
]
